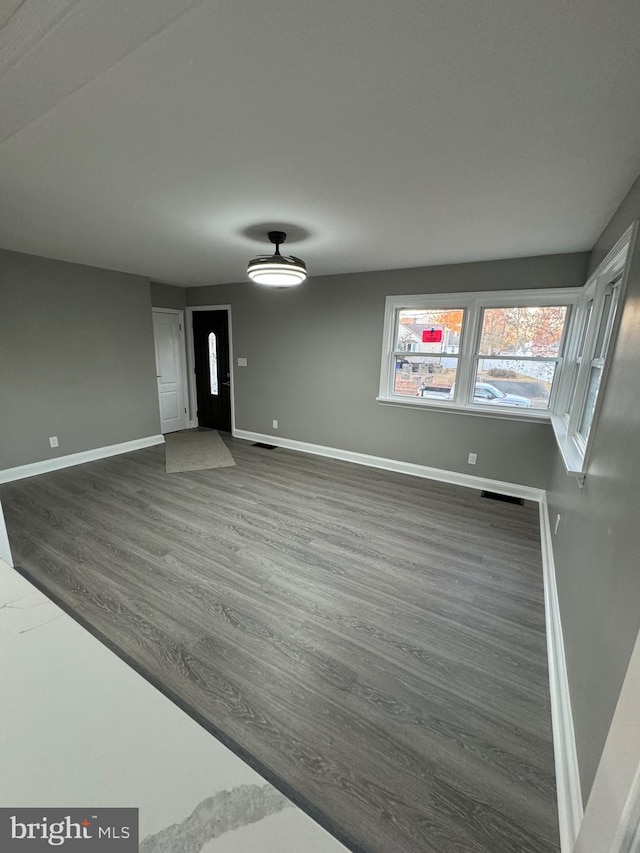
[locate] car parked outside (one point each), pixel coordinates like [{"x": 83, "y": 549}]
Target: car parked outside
[{"x": 485, "y": 392}]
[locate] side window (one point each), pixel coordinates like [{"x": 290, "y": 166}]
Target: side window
[
  {"x": 213, "y": 363},
  {"x": 592, "y": 339},
  {"x": 596, "y": 364}
]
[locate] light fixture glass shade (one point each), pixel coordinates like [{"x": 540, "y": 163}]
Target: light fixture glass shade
[{"x": 277, "y": 270}]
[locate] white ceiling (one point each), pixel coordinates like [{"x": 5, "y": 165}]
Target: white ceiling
[{"x": 163, "y": 137}]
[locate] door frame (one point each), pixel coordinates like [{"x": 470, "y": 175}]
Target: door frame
[
  {"x": 183, "y": 357},
  {"x": 191, "y": 363}
]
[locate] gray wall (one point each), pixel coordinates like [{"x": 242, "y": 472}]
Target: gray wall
[
  {"x": 597, "y": 548},
  {"x": 76, "y": 358},
  {"x": 314, "y": 364},
  {"x": 167, "y": 295}
]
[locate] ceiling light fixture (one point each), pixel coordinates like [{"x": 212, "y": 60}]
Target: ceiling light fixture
[{"x": 277, "y": 270}]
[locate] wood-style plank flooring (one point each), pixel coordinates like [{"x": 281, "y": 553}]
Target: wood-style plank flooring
[{"x": 373, "y": 641}]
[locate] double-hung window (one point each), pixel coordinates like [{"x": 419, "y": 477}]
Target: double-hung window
[
  {"x": 597, "y": 319},
  {"x": 525, "y": 354},
  {"x": 520, "y": 349},
  {"x": 496, "y": 353},
  {"x": 426, "y": 352}
]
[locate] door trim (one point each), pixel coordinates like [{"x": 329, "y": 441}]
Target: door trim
[
  {"x": 191, "y": 362},
  {"x": 183, "y": 355}
]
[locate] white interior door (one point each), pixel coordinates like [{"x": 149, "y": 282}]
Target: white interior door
[{"x": 170, "y": 370}]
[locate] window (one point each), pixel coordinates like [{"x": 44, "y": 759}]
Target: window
[
  {"x": 426, "y": 352},
  {"x": 607, "y": 318},
  {"x": 519, "y": 355},
  {"x": 493, "y": 353},
  {"x": 213, "y": 363},
  {"x": 597, "y": 319}
]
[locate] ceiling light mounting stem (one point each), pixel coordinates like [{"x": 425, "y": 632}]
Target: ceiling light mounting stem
[{"x": 277, "y": 237}]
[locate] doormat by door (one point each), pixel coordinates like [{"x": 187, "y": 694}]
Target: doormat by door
[{"x": 194, "y": 450}]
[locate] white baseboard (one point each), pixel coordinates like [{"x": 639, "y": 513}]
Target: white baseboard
[
  {"x": 453, "y": 477},
  {"x": 570, "y": 808},
  {"x": 21, "y": 471}
]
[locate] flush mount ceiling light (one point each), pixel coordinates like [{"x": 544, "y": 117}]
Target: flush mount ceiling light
[{"x": 277, "y": 270}]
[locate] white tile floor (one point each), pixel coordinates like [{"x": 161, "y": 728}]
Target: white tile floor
[{"x": 78, "y": 727}]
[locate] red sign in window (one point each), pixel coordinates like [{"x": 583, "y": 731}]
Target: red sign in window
[{"x": 432, "y": 336}]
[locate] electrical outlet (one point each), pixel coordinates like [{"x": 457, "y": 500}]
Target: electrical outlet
[
  {"x": 53, "y": 441},
  {"x": 473, "y": 458},
  {"x": 557, "y": 525},
  {"x": 275, "y": 424},
  {"x": 242, "y": 362}
]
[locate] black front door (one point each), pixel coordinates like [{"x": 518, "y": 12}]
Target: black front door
[{"x": 211, "y": 356}]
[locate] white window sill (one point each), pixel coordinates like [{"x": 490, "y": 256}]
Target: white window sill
[
  {"x": 574, "y": 461},
  {"x": 502, "y": 413}
]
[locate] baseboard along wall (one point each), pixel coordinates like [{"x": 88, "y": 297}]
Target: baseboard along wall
[
  {"x": 570, "y": 809},
  {"x": 453, "y": 477},
  {"x": 8, "y": 475}
]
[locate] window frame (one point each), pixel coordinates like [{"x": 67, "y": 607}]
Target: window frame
[
  {"x": 473, "y": 305},
  {"x": 575, "y": 448}
]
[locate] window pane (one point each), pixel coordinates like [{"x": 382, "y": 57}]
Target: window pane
[
  {"x": 606, "y": 324},
  {"x": 583, "y": 332},
  {"x": 530, "y": 331},
  {"x": 428, "y": 331},
  {"x": 213, "y": 363},
  {"x": 425, "y": 376},
  {"x": 576, "y": 367},
  {"x": 590, "y": 403},
  {"x": 574, "y": 385},
  {"x": 510, "y": 382}
]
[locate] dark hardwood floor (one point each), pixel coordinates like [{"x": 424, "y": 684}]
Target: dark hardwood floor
[{"x": 375, "y": 642}]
